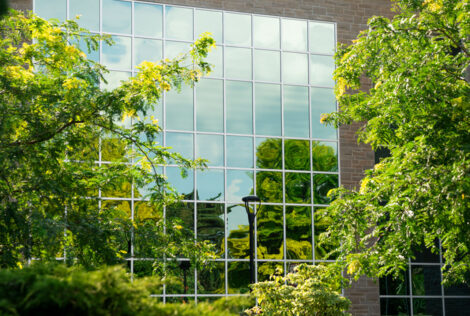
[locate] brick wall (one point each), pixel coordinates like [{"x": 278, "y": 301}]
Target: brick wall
[{"x": 351, "y": 17}]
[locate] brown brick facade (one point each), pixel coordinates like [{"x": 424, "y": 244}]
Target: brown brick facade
[{"x": 351, "y": 17}]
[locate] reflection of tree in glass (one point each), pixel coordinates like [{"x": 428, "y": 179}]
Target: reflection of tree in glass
[
  {"x": 270, "y": 232},
  {"x": 266, "y": 269},
  {"x": 321, "y": 223},
  {"x": 322, "y": 183},
  {"x": 238, "y": 239},
  {"x": 210, "y": 224},
  {"x": 299, "y": 232},
  {"x": 269, "y": 154},
  {"x": 298, "y": 187},
  {"x": 212, "y": 281},
  {"x": 297, "y": 154},
  {"x": 269, "y": 186},
  {"x": 324, "y": 157},
  {"x": 238, "y": 277}
]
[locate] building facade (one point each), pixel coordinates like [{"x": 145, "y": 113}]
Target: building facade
[{"x": 256, "y": 118}]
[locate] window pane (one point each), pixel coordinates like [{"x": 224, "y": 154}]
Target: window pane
[
  {"x": 296, "y": 122},
  {"x": 269, "y": 186},
  {"x": 267, "y": 66},
  {"x": 297, "y": 154},
  {"x": 92, "y": 54},
  {"x": 238, "y": 277},
  {"x": 239, "y": 107},
  {"x": 209, "y": 21},
  {"x": 210, "y": 147},
  {"x": 51, "y": 9},
  {"x": 211, "y": 281},
  {"x": 238, "y": 63},
  {"x": 294, "y": 35},
  {"x": 322, "y": 37},
  {"x": 210, "y": 185},
  {"x": 266, "y": 269},
  {"x": 322, "y": 101},
  {"x": 117, "y": 16},
  {"x": 179, "y": 109},
  {"x": 210, "y": 105},
  {"x": 237, "y": 29},
  {"x": 395, "y": 286},
  {"x": 299, "y": 232},
  {"x": 211, "y": 225},
  {"x": 457, "y": 306},
  {"x": 176, "y": 273},
  {"x": 179, "y": 23},
  {"x": 118, "y": 56},
  {"x": 270, "y": 232},
  {"x": 321, "y": 223},
  {"x": 321, "y": 70},
  {"x": 395, "y": 306},
  {"x": 298, "y": 188},
  {"x": 238, "y": 242},
  {"x": 269, "y": 153},
  {"x": 239, "y": 184},
  {"x": 176, "y": 49},
  {"x": 148, "y": 19},
  {"x": 180, "y": 143},
  {"x": 428, "y": 306},
  {"x": 147, "y": 49},
  {"x": 184, "y": 186},
  {"x": 294, "y": 68},
  {"x": 215, "y": 58},
  {"x": 426, "y": 280},
  {"x": 324, "y": 156},
  {"x": 182, "y": 212},
  {"x": 89, "y": 11},
  {"x": 239, "y": 152},
  {"x": 322, "y": 183},
  {"x": 266, "y": 32},
  {"x": 114, "y": 79},
  {"x": 268, "y": 109}
]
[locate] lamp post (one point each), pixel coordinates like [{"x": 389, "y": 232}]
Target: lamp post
[
  {"x": 185, "y": 265},
  {"x": 251, "y": 222}
]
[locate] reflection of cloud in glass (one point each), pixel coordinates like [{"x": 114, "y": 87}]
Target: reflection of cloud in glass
[
  {"x": 267, "y": 66},
  {"x": 266, "y": 32},
  {"x": 239, "y": 184},
  {"x": 211, "y": 147},
  {"x": 117, "y": 16},
  {"x": 175, "y": 49},
  {"x": 239, "y": 151},
  {"x": 114, "y": 79},
  {"x": 179, "y": 23},
  {"x": 268, "y": 109},
  {"x": 49, "y": 9},
  {"x": 237, "y": 28},
  {"x": 209, "y": 21},
  {"x": 210, "y": 185},
  {"x": 296, "y": 111},
  {"x": 147, "y": 19},
  {"x": 322, "y": 37},
  {"x": 294, "y": 68},
  {"x": 179, "y": 109},
  {"x": 294, "y": 35},
  {"x": 180, "y": 143},
  {"x": 147, "y": 49},
  {"x": 239, "y": 107},
  {"x": 322, "y": 101},
  {"x": 118, "y": 55},
  {"x": 238, "y": 63},
  {"x": 88, "y": 11},
  {"x": 321, "y": 70},
  {"x": 209, "y": 105},
  {"x": 236, "y": 218}
]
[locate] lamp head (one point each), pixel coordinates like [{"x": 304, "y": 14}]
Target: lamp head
[{"x": 251, "y": 198}]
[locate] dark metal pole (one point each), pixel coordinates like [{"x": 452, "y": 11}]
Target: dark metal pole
[{"x": 251, "y": 222}]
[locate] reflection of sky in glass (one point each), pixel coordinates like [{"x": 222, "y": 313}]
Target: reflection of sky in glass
[
  {"x": 89, "y": 13},
  {"x": 321, "y": 70},
  {"x": 239, "y": 107},
  {"x": 239, "y": 184},
  {"x": 296, "y": 111},
  {"x": 267, "y": 65},
  {"x": 50, "y": 9},
  {"x": 147, "y": 19},
  {"x": 117, "y": 16},
  {"x": 239, "y": 151},
  {"x": 209, "y": 105},
  {"x": 215, "y": 58},
  {"x": 238, "y": 63},
  {"x": 268, "y": 109},
  {"x": 294, "y": 35},
  {"x": 210, "y": 147},
  {"x": 210, "y": 185},
  {"x": 294, "y": 68},
  {"x": 92, "y": 55},
  {"x": 237, "y": 29},
  {"x": 114, "y": 79},
  {"x": 209, "y": 21},
  {"x": 181, "y": 143},
  {"x": 179, "y": 23},
  {"x": 266, "y": 32},
  {"x": 182, "y": 185},
  {"x": 179, "y": 109},
  {"x": 118, "y": 55},
  {"x": 322, "y": 101},
  {"x": 176, "y": 49},
  {"x": 322, "y": 37},
  {"x": 147, "y": 49},
  {"x": 236, "y": 217}
]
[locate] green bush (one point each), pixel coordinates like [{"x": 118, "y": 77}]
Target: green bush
[{"x": 57, "y": 289}]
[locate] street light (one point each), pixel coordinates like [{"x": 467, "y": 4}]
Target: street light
[{"x": 251, "y": 222}]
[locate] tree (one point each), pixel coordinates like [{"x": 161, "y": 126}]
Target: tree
[
  {"x": 54, "y": 121},
  {"x": 405, "y": 78}
]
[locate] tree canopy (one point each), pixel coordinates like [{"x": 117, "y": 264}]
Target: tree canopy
[
  {"x": 407, "y": 79},
  {"x": 55, "y": 120}
]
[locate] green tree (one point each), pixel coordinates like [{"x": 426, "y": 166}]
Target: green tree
[
  {"x": 54, "y": 120},
  {"x": 406, "y": 79}
]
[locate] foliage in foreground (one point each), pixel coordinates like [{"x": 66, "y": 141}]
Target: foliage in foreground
[
  {"x": 55, "y": 119},
  {"x": 309, "y": 291},
  {"x": 418, "y": 107},
  {"x": 56, "y": 289}
]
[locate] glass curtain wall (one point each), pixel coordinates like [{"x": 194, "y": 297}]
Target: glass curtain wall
[{"x": 256, "y": 118}]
